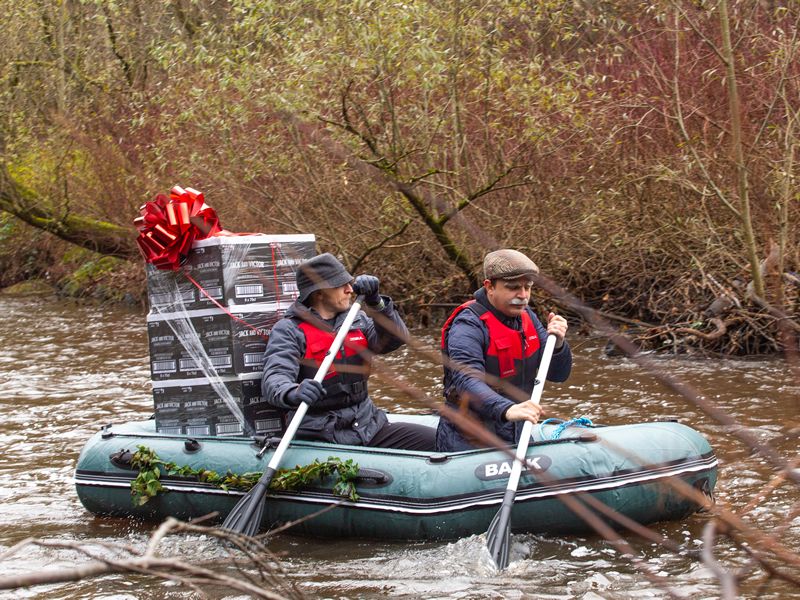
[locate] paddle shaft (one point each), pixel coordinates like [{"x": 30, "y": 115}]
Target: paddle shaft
[
  {"x": 246, "y": 516},
  {"x": 527, "y": 428},
  {"x": 497, "y": 537},
  {"x": 291, "y": 430}
]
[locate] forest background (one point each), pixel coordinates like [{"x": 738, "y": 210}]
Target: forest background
[{"x": 643, "y": 154}]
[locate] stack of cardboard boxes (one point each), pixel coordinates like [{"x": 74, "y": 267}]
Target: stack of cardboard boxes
[{"x": 208, "y": 327}]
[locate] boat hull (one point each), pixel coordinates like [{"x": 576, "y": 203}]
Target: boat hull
[{"x": 642, "y": 471}]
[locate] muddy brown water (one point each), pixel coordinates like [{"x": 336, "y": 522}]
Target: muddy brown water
[{"x": 66, "y": 370}]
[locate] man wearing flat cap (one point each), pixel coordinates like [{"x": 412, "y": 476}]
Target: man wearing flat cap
[
  {"x": 340, "y": 409},
  {"x": 493, "y": 345}
]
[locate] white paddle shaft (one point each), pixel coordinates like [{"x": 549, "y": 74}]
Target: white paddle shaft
[
  {"x": 527, "y": 428},
  {"x": 321, "y": 372}
]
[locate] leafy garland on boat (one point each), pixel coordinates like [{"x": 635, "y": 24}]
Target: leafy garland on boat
[{"x": 147, "y": 483}]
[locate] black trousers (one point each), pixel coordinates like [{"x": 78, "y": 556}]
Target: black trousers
[{"x": 405, "y": 436}]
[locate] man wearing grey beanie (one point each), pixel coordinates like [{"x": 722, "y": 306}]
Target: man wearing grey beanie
[
  {"x": 493, "y": 345},
  {"x": 340, "y": 409}
]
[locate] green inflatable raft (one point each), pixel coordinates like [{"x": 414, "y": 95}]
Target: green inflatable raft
[{"x": 641, "y": 471}]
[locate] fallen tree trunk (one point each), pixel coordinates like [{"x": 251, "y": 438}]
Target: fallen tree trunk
[{"x": 99, "y": 236}]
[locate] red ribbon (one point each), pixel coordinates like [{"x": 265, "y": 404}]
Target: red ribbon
[{"x": 169, "y": 224}]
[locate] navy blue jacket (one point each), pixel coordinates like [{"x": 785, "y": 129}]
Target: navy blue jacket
[{"x": 467, "y": 344}]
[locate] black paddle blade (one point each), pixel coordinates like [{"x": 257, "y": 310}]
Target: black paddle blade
[
  {"x": 498, "y": 536},
  {"x": 245, "y": 518}
]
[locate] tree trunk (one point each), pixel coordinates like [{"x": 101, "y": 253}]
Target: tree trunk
[
  {"x": 738, "y": 152},
  {"x": 99, "y": 236}
]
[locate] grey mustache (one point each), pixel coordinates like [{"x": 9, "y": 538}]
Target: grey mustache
[{"x": 517, "y": 302}]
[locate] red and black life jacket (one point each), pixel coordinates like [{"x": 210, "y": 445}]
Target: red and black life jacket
[
  {"x": 346, "y": 381},
  {"x": 509, "y": 349}
]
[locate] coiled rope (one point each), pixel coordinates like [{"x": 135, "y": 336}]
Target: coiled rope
[{"x": 579, "y": 422}]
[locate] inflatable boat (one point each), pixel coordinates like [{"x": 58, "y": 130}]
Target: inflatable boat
[{"x": 640, "y": 470}]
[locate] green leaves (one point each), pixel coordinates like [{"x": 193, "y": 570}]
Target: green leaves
[
  {"x": 147, "y": 483},
  {"x": 289, "y": 479}
]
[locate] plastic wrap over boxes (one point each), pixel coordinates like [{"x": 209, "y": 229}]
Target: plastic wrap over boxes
[
  {"x": 199, "y": 343},
  {"x": 194, "y": 407},
  {"x": 206, "y": 354},
  {"x": 233, "y": 271}
]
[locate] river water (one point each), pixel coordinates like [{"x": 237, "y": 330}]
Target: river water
[{"x": 66, "y": 370}]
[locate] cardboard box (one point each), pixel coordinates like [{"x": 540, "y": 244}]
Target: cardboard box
[
  {"x": 250, "y": 328},
  {"x": 163, "y": 346},
  {"x": 190, "y": 344},
  {"x": 183, "y": 407},
  {"x": 170, "y": 291},
  {"x": 168, "y": 413},
  {"x": 264, "y": 418},
  {"x": 233, "y": 271},
  {"x": 194, "y": 407},
  {"x": 252, "y": 269}
]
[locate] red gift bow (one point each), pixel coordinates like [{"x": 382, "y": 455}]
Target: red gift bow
[{"x": 168, "y": 226}]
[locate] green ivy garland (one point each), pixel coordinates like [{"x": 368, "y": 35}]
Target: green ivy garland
[{"x": 147, "y": 483}]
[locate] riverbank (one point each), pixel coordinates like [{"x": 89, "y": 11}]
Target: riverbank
[
  {"x": 102, "y": 290},
  {"x": 638, "y": 173},
  {"x": 36, "y": 263},
  {"x": 668, "y": 309},
  {"x": 729, "y": 326}
]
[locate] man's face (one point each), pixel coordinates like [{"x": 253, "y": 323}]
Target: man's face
[
  {"x": 336, "y": 300},
  {"x": 509, "y": 296}
]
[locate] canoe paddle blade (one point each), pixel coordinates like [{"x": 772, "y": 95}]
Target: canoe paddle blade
[
  {"x": 245, "y": 518},
  {"x": 498, "y": 536}
]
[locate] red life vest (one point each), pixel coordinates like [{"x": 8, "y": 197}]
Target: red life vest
[
  {"x": 506, "y": 353},
  {"x": 346, "y": 381}
]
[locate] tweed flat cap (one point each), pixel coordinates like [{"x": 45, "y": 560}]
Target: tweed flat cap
[
  {"x": 322, "y": 271},
  {"x": 508, "y": 264}
]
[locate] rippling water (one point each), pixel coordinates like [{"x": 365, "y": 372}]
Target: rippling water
[{"x": 66, "y": 370}]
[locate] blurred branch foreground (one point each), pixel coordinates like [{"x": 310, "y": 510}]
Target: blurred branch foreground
[
  {"x": 250, "y": 568},
  {"x": 734, "y": 548},
  {"x": 643, "y": 154}
]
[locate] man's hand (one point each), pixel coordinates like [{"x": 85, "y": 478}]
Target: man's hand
[
  {"x": 557, "y": 325},
  {"x": 524, "y": 411},
  {"x": 309, "y": 391},
  {"x": 367, "y": 285}
]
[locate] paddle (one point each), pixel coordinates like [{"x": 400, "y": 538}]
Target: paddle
[
  {"x": 246, "y": 515},
  {"x": 498, "y": 536}
]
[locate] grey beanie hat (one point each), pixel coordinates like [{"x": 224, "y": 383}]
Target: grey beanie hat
[
  {"x": 320, "y": 272},
  {"x": 508, "y": 264}
]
